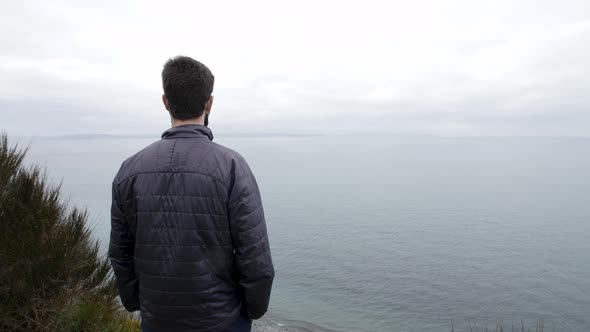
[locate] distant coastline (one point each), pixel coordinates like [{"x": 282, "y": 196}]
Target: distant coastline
[{"x": 156, "y": 136}]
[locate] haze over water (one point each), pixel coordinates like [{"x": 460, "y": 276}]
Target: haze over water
[{"x": 383, "y": 233}]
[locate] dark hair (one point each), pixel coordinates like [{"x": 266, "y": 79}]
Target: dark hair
[{"x": 188, "y": 84}]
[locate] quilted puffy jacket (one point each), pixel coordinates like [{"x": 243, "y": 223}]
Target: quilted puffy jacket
[{"x": 189, "y": 245}]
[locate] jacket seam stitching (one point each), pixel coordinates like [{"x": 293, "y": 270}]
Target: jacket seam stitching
[
  {"x": 179, "y": 172},
  {"x": 182, "y": 292},
  {"x": 170, "y": 261},
  {"x": 164, "y": 195},
  {"x": 179, "y": 212},
  {"x": 185, "y": 229},
  {"x": 172, "y": 153},
  {"x": 181, "y": 245},
  {"x": 143, "y": 274}
]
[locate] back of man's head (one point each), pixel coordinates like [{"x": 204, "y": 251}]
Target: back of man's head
[{"x": 188, "y": 85}]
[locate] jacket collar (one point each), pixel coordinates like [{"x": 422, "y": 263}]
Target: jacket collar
[{"x": 188, "y": 131}]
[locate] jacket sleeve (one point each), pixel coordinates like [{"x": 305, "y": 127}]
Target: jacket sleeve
[
  {"x": 121, "y": 251},
  {"x": 250, "y": 240}
]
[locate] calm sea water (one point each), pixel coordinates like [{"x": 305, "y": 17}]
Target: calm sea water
[{"x": 397, "y": 233}]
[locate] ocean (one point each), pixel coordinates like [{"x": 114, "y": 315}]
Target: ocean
[{"x": 394, "y": 233}]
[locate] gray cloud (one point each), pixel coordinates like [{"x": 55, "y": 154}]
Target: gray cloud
[{"x": 430, "y": 67}]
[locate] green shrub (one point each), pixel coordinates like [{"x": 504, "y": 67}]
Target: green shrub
[{"x": 52, "y": 274}]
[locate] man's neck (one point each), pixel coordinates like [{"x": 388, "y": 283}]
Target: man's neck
[{"x": 198, "y": 121}]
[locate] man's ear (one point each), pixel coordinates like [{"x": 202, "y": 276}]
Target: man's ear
[
  {"x": 209, "y": 104},
  {"x": 165, "y": 101}
]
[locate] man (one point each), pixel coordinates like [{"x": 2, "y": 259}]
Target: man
[{"x": 189, "y": 246}]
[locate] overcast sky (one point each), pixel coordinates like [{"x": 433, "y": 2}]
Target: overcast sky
[{"x": 437, "y": 67}]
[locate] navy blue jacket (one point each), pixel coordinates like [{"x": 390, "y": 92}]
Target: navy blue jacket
[{"x": 189, "y": 245}]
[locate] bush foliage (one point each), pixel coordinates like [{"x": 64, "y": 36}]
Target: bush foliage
[{"x": 53, "y": 276}]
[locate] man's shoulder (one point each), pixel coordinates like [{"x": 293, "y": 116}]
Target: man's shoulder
[
  {"x": 136, "y": 162},
  {"x": 237, "y": 164},
  {"x": 226, "y": 153},
  {"x": 212, "y": 159},
  {"x": 224, "y": 162}
]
